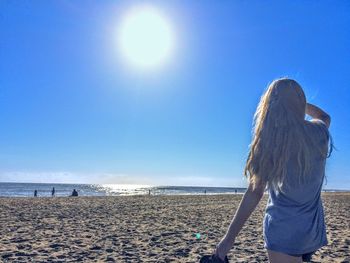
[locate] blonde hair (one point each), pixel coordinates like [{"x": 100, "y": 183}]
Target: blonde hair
[{"x": 278, "y": 133}]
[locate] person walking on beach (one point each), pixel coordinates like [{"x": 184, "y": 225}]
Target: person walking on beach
[
  {"x": 53, "y": 192},
  {"x": 287, "y": 157},
  {"x": 35, "y": 193}
]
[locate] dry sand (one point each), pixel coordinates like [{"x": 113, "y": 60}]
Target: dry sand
[{"x": 145, "y": 229}]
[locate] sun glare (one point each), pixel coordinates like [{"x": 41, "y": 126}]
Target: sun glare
[{"x": 145, "y": 38}]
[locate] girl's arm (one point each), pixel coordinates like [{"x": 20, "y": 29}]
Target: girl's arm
[
  {"x": 317, "y": 113},
  {"x": 250, "y": 200}
]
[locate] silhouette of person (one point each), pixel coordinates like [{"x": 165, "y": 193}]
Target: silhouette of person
[
  {"x": 74, "y": 193},
  {"x": 35, "y": 193},
  {"x": 235, "y": 191},
  {"x": 205, "y": 191},
  {"x": 149, "y": 192},
  {"x": 53, "y": 191}
]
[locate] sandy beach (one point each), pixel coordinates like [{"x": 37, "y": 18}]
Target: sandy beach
[{"x": 146, "y": 229}]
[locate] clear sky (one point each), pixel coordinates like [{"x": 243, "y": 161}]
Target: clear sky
[{"x": 73, "y": 110}]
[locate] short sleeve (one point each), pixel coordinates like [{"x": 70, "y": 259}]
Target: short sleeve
[{"x": 322, "y": 129}]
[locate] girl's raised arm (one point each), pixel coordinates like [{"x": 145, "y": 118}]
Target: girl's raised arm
[{"x": 317, "y": 113}]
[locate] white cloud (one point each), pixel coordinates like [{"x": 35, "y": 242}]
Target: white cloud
[
  {"x": 70, "y": 177},
  {"x": 119, "y": 178}
]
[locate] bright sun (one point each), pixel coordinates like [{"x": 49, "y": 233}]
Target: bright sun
[{"x": 145, "y": 38}]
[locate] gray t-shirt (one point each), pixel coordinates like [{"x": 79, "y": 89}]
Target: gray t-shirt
[{"x": 294, "y": 219}]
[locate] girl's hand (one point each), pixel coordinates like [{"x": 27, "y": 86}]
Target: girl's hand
[{"x": 223, "y": 248}]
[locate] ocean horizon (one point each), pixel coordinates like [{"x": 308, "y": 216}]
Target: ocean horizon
[
  {"x": 11, "y": 189},
  {"x": 16, "y": 189}
]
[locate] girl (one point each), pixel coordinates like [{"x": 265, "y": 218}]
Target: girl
[{"x": 287, "y": 157}]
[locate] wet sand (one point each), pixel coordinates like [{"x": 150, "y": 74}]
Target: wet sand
[{"x": 145, "y": 229}]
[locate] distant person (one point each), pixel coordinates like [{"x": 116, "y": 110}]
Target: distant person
[
  {"x": 74, "y": 193},
  {"x": 287, "y": 156},
  {"x": 35, "y": 193},
  {"x": 205, "y": 191},
  {"x": 149, "y": 192},
  {"x": 53, "y": 191},
  {"x": 235, "y": 191}
]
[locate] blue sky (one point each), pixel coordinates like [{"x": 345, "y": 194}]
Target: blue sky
[{"x": 71, "y": 110}]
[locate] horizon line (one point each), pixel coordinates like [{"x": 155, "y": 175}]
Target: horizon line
[{"x": 323, "y": 190}]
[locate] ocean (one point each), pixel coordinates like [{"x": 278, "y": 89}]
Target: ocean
[{"x": 44, "y": 190}]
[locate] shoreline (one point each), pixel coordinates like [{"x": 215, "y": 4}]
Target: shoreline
[{"x": 345, "y": 192}]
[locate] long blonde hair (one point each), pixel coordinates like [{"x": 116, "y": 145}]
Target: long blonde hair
[{"x": 279, "y": 132}]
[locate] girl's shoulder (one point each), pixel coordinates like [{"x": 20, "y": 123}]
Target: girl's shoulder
[
  {"x": 318, "y": 130},
  {"x": 316, "y": 124}
]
